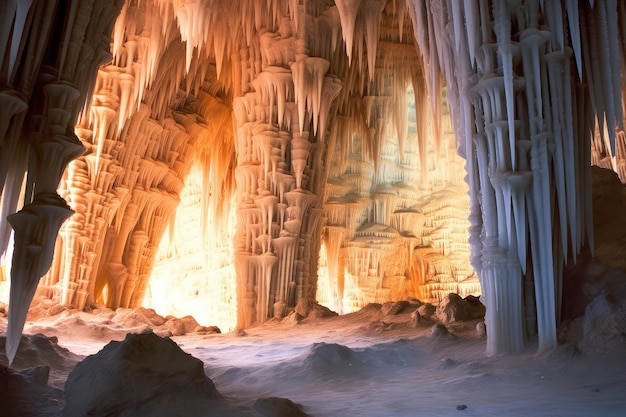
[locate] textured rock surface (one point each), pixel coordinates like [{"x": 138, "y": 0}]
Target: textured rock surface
[
  {"x": 278, "y": 407},
  {"x": 604, "y": 326},
  {"x": 26, "y": 393},
  {"x": 144, "y": 374}
]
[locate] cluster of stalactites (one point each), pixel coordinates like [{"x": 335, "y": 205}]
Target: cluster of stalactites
[
  {"x": 288, "y": 79},
  {"x": 280, "y": 121},
  {"x": 42, "y": 143},
  {"x": 125, "y": 190},
  {"x": 523, "y": 121},
  {"x": 389, "y": 232}
]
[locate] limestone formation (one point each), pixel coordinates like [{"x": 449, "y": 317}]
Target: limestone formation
[{"x": 336, "y": 151}]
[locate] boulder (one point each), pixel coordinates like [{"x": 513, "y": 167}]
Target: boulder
[
  {"x": 140, "y": 376},
  {"x": 604, "y": 326},
  {"x": 453, "y": 308},
  {"x": 308, "y": 308}
]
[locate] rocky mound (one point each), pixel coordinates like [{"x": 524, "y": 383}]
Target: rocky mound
[
  {"x": 149, "y": 376},
  {"x": 141, "y": 375},
  {"x": 331, "y": 360},
  {"x": 26, "y": 393},
  {"x": 40, "y": 350}
]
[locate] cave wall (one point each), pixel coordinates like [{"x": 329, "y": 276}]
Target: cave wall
[{"x": 299, "y": 112}]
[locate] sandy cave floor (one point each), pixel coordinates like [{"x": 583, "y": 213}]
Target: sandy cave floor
[{"x": 389, "y": 369}]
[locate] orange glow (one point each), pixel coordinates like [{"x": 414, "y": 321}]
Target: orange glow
[{"x": 194, "y": 273}]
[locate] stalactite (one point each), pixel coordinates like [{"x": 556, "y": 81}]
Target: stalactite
[
  {"x": 11, "y": 154},
  {"x": 36, "y": 227}
]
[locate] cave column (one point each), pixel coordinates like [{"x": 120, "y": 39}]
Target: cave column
[{"x": 281, "y": 123}]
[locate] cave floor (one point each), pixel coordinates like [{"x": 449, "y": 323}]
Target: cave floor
[{"x": 365, "y": 364}]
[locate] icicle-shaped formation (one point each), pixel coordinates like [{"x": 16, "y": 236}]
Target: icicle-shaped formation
[
  {"x": 384, "y": 197},
  {"x": 527, "y": 119},
  {"x": 42, "y": 143}
]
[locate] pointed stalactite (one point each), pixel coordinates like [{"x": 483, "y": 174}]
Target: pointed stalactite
[
  {"x": 36, "y": 227},
  {"x": 541, "y": 243},
  {"x": 13, "y": 158},
  {"x": 348, "y": 11}
]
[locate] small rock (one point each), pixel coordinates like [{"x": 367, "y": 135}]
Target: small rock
[
  {"x": 239, "y": 332},
  {"x": 292, "y": 318},
  {"x": 278, "y": 407},
  {"x": 35, "y": 313},
  {"x": 55, "y": 309},
  {"x": 163, "y": 333},
  {"x": 426, "y": 310},
  {"x": 46, "y": 303},
  {"x": 207, "y": 330},
  {"x": 175, "y": 326},
  {"x": 481, "y": 329},
  {"x": 310, "y": 308},
  {"x": 461, "y": 407},
  {"x": 393, "y": 308},
  {"x": 40, "y": 374},
  {"x": 603, "y": 326},
  {"x": 439, "y": 330},
  {"x": 415, "y": 319},
  {"x": 447, "y": 363},
  {"x": 151, "y": 315}
]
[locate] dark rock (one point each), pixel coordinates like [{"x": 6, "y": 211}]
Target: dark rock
[
  {"x": 25, "y": 394},
  {"x": 278, "y": 407},
  {"x": 439, "y": 330},
  {"x": 447, "y": 363},
  {"x": 141, "y": 374},
  {"x": 332, "y": 359},
  {"x": 604, "y": 326},
  {"x": 38, "y": 349},
  {"x": 38, "y": 374}
]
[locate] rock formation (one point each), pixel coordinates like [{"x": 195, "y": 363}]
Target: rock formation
[{"x": 294, "y": 116}]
